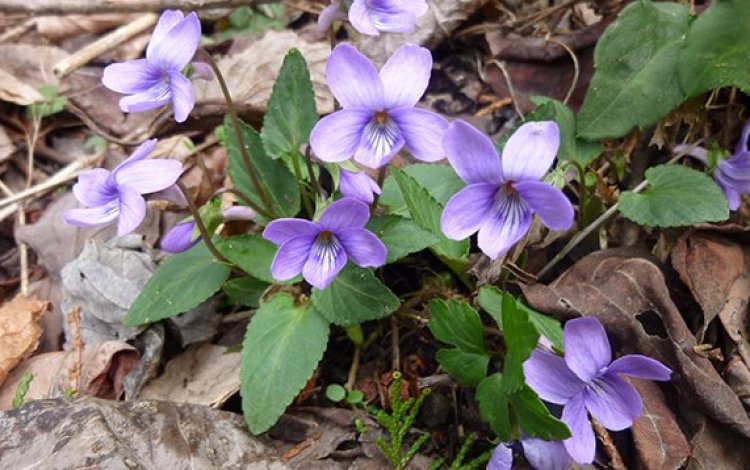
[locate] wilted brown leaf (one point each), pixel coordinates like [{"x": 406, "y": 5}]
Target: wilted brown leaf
[
  {"x": 17, "y": 92},
  {"x": 659, "y": 442},
  {"x": 19, "y": 331},
  {"x": 61, "y": 27},
  {"x": 630, "y": 296},
  {"x": 31, "y": 64},
  {"x": 716, "y": 448},
  {"x": 251, "y": 73},
  {"x": 103, "y": 367},
  {"x": 203, "y": 374}
]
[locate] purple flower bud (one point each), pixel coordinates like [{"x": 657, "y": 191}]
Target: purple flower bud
[
  {"x": 375, "y": 16},
  {"x": 320, "y": 250},
  {"x": 158, "y": 79},
  {"x": 378, "y": 117},
  {"x": 183, "y": 236},
  {"x": 733, "y": 173},
  {"x": 358, "y": 185},
  {"x": 502, "y": 195},
  {"x": 118, "y": 194},
  {"x": 588, "y": 381}
]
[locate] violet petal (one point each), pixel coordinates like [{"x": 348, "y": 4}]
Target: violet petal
[
  {"x": 380, "y": 143},
  {"x": 530, "y": 151},
  {"x": 359, "y": 185},
  {"x": 581, "y": 445},
  {"x": 155, "y": 97},
  {"x": 183, "y": 96},
  {"x": 93, "y": 216},
  {"x": 641, "y": 367},
  {"x": 359, "y": 16},
  {"x": 336, "y": 137},
  {"x": 587, "y": 349},
  {"x": 280, "y": 231},
  {"x": 345, "y": 213},
  {"x": 405, "y": 76},
  {"x": 547, "y": 202},
  {"x": 468, "y": 210},
  {"x": 95, "y": 188},
  {"x": 363, "y": 247},
  {"x": 502, "y": 458},
  {"x": 353, "y": 79},
  {"x": 547, "y": 374},
  {"x": 509, "y": 222},
  {"x": 472, "y": 154},
  {"x": 546, "y": 455},
  {"x": 291, "y": 257},
  {"x": 327, "y": 259},
  {"x": 423, "y": 131},
  {"x": 167, "y": 20},
  {"x": 180, "y": 238},
  {"x": 132, "y": 76},
  {"x": 329, "y": 14},
  {"x": 132, "y": 210},
  {"x": 177, "y": 47},
  {"x": 149, "y": 176},
  {"x": 613, "y": 402}
]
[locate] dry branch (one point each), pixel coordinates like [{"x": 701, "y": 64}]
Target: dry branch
[{"x": 66, "y": 7}]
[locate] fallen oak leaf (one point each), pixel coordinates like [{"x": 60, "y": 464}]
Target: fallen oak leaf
[{"x": 19, "y": 331}]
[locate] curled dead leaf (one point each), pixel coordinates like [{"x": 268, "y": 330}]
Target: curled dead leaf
[{"x": 19, "y": 331}]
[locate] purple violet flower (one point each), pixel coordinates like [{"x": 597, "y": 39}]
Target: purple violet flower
[
  {"x": 541, "y": 455},
  {"x": 158, "y": 79},
  {"x": 375, "y": 16},
  {"x": 117, "y": 194},
  {"x": 732, "y": 174},
  {"x": 588, "y": 379},
  {"x": 379, "y": 116},
  {"x": 502, "y": 195},
  {"x": 359, "y": 185},
  {"x": 183, "y": 235},
  {"x": 320, "y": 250}
]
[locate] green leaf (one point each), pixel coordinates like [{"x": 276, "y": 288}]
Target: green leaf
[
  {"x": 273, "y": 174},
  {"x": 254, "y": 19},
  {"x": 53, "y": 103},
  {"x": 520, "y": 338},
  {"x": 291, "y": 111},
  {"x": 335, "y": 392},
  {"x": 440, "y": 181},
  {"x": 401, "y": 235},
  {"x": 493, "y": 406},
  {"x": 676, "y": 196},
  {"x": 534, "y": 418},
  {"x": 283, "y": 345},
  {"x": 491, "y": 300},
  {"x": 459, "y": 325},
  {"x": 467, "y": 368},
  {"x": 717, "y": 49},
  {"x": 354, "y": 297},
  {"x": 251, "y": 253},
  {"x": 635, "y": 82},
  {"x": 246, "y": 291},
  {"x": 426, "y": 211},
  {"x": 571, "y": 148},
  {"x": 182, "y": 282}
]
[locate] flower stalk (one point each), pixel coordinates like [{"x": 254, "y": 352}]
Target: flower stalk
[{"x": 201, "y": 226}]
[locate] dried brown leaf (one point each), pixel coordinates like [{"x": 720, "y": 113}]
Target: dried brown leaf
[
  {"x": 659, "y": 442},
  {"x": 19, "y": 331},
  {"x": 17, "y": 92},
  {"x": 103, "y": 367},
  {"x": 62, "y": 27},
  {"x": 203, "y": 374}
]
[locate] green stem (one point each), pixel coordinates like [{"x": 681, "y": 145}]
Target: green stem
[
  {"x": 302, "y": 189},
  {"x": 313, "y": 179},
  {"x": 582, "y": 181},
  {"x": 381, "y": 178},
  {"x": 238, "y": 132},
  {"x": 201, "y": 226}
]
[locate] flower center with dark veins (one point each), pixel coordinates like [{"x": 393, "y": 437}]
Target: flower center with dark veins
[
  {"x": 381, "y": 117},
  {"x": 509, "y": 189},
  {"x": 326, "y": 249}
]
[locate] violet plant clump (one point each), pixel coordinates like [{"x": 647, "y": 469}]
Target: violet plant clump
[
  {"x": 159, "y": 78},
  {"x": 731, "y": 173},
  {"x": 503, "y": 194},
  {"x": 587, "y": 380},
  {"x": 372, "y": 17},
  {"x": 379, "y": 116},
  {"x": 118, "y": 194},
  {"x": 319, "y": 251}
]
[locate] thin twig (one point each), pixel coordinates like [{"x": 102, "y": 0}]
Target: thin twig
[
  {"x": 583, "y": 234},
  {"x": 395, "y": 348},
  {"x": 501, "y": 65},
  {"x": 67, "y": 7},
  {"x": 238, "y": 131},
  {"x": 352, "y": 378},
  {"x": 576, "y": 67},
  {"x": 104, "y": 44},
  {"x": 381, "y": 179},
  {"x": 615, "y": 459},
  {"x": 18, "y": 31},
  {"x": 313, "y": 179}
]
